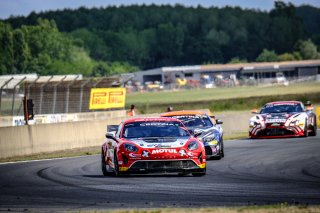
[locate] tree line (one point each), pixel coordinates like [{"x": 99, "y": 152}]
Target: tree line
[
  {"x": 104, "y": 41},
  {"x": 42, "y": 49}
]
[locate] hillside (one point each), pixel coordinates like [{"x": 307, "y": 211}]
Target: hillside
[{"x": 149, "y": 36}]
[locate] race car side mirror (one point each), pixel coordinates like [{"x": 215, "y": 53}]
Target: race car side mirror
[
  {"x": 254, "y": 111},
  {"x": 219, "y": 121},
  {"x": 197, "y": 132},
  {"x": 111, "y": 135},
  {"x": 309, "y": 108}
]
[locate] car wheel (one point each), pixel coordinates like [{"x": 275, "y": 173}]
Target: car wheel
[
  {"x": 199, "y": 174},
  {"x": 220, "y": 154},
  {"x": 222, "y": 147},
  {"x": 314, "y": 131},
  {"x": 116, "y": 165},
  {"x": 103, "y": 164},
  {"x": 305, "y": 131}
]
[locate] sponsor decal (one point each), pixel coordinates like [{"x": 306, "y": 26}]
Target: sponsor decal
[
  {"x": 160, "y": 145},
  {"x": 190, "y": 154},
  {"x": 133, "y": 155},
  {"x": 214, "y": 150},
  {"x": 275, "y": 120},
  {"x": 160, "y": 151},
  {"x": 182, "y": 152},
  {"x": 145, "y": 154}
]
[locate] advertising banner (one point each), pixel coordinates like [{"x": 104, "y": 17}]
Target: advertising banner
[{"x": 107, "y": 98}]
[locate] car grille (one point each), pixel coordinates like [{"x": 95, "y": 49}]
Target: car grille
[
  {"x": 275, "y": 132},
  {"x": 208, "y": 150},
  {"x": 164, "y": 165}
]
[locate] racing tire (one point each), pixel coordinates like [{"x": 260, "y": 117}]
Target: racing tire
[
  {"x": 222, "y": 147},
  {"x": 305, "y": 131},
  {"x": 199, "y": 174},
  {"x": 314, "y": 131},
  {"x": 220, "y": 154},
  {"x": 117, "y": 173},
  {"x": 103, "y": 164},
  {"x": 182, "y": 174}
]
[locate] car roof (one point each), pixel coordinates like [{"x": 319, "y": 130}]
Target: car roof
[
  {"x": 284, "y": 102},
  {"x": 183, "y": 112},
  {"x": 150, "y": 119}
]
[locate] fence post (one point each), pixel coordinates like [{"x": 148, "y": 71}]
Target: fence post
[
  {"x": 81, "y": 94},
  {"x": 14, "y": 94},
  {"x": 1, "y": 88},
  {"x": 55, "y": 94},
  {"x": 29, "y": 86},
  {"x": 68, "y": 93},
  {"x": 41, "y": 94}
]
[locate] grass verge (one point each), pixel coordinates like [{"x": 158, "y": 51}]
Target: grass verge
[
  {"x": 58, "y": 154},
  {"x": 280, "y": 208},
  {"x": 222, "y": 99}
]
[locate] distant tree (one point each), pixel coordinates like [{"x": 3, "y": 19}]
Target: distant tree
[
  {"x": 6, "y": 49},
  {"x": 286, "y": 28},
  {"x": 307, "y": 49},
  {"x": 148, "y": 36},
  {"x": 267, "y": 56},
  {"x": 21, "y": 52},
  {"x": 237, "y": 60},
  {"x": 93, "y": 43},
  {"x": 287, "y": 57}
]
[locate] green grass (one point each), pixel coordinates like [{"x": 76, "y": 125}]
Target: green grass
[
  {"x": 236, "y": 135},
  {"x": 279, "y": 208},
  {"x": 221, "y": 99},
  {"x": 57, "y": 154}
]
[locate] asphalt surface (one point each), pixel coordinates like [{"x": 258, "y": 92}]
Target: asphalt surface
[{"x": 253, "y": 172}]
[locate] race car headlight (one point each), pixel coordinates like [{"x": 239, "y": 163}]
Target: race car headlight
[
  {"x": 212, "y": 141},
  {"x": 253, "y": 123},
  {"x": 130, "y": 147},
  {"x": 296, "y": 123},
  {"x": 193, "y": 145}
]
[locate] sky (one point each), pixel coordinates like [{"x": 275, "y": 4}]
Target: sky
[{"x": 25, "y": 7}]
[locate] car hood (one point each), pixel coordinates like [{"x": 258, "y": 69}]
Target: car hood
[
  {"x": 170, "y": 142},
  {"x": 206, "y": 131}
]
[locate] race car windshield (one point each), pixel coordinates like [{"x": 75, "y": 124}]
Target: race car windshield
[
  {"x": 281, "y": 108},
  {"x": 195, "y": 121},
  {"x": 154, "y": 129}
]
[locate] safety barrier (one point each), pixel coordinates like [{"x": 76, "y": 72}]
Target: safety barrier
[{"x": 34, "y": 139}]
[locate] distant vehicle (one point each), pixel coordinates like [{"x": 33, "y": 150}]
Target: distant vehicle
[
  {"x": 207, "y": 82},
  {"x": 281, "y": 79},
  {"x": 153, "y": 86},
  {"x": 152, "y": 145},
  {"x": 283, "y": 119},
  {"x": 205, "y": 128}
]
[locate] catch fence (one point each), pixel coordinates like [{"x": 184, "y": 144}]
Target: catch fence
[{"x": 50, "y": 94}]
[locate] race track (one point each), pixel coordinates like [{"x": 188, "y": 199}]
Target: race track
[{"x": 253, "y": 172}]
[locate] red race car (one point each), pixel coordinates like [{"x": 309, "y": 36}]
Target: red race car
[{"x": 152, "y": 145}]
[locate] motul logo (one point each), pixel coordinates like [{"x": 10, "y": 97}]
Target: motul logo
[{"x": 159, "y": 151}]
